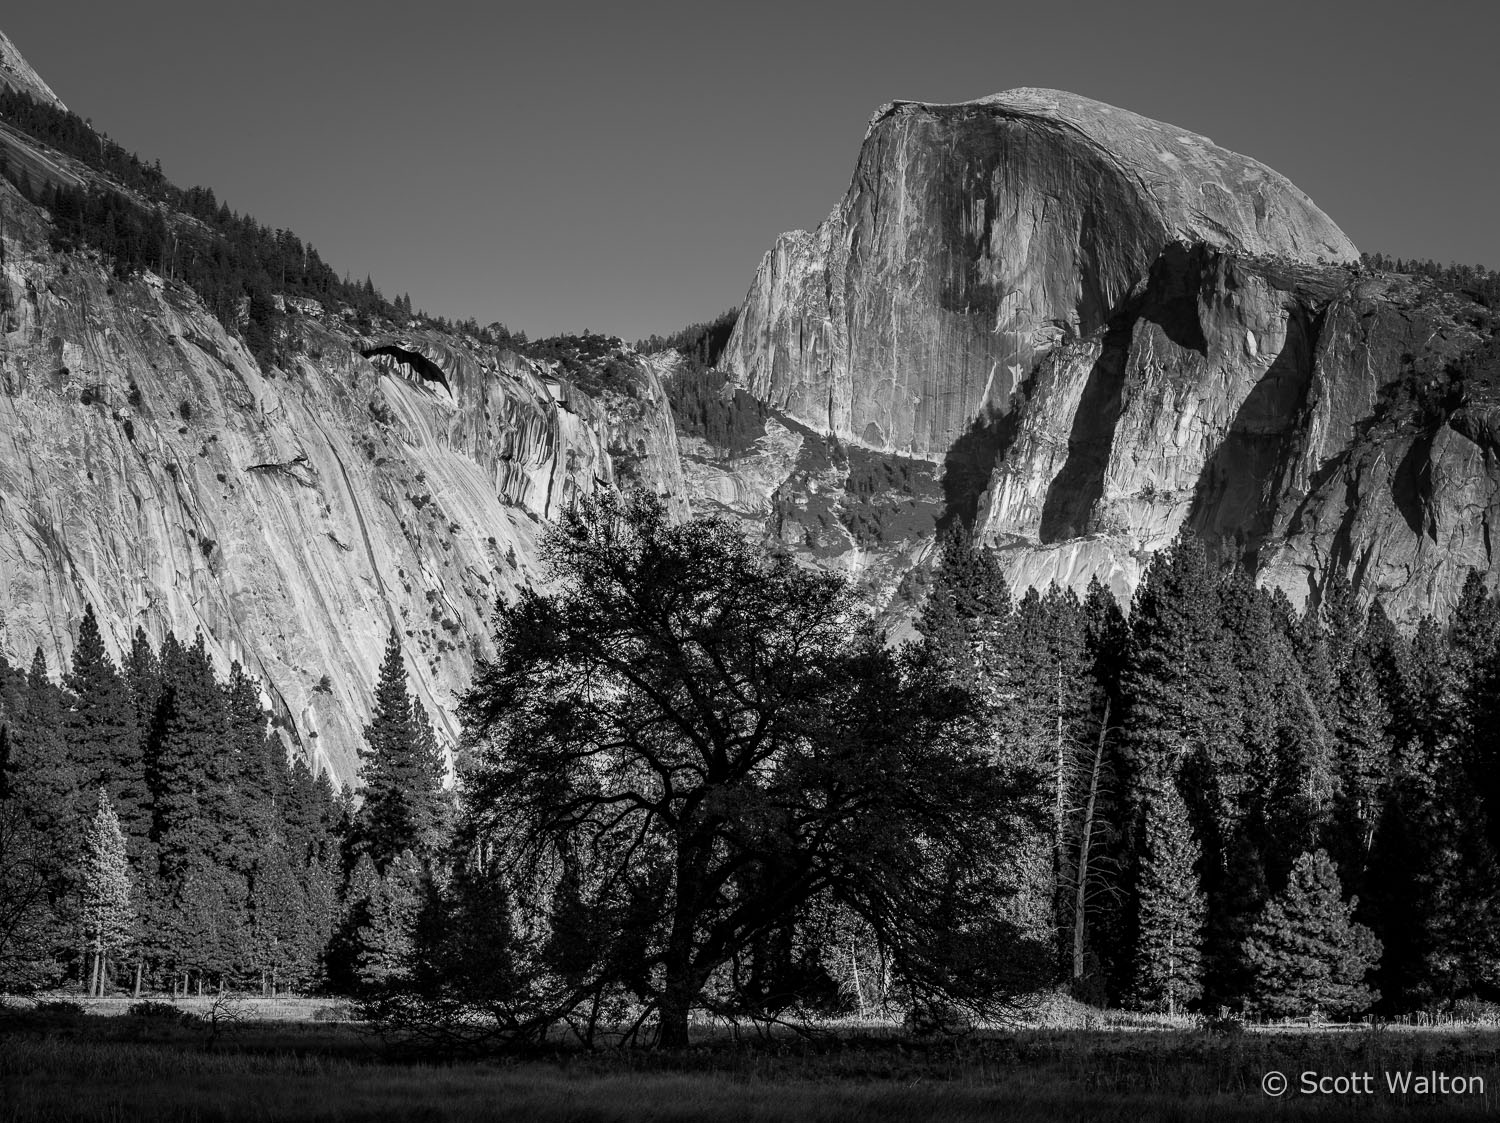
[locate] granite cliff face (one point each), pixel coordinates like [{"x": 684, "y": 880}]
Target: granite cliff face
[
  {"x": 1069, "y": 328},
  {"x": 1104, "y": 329},
  {"x": 975, "y": 238},
  {"x": 150, "y": 466},
  {"x": 17, "y": 74}
]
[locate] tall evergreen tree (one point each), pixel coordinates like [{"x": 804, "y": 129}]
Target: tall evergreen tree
[
  {"x": 245, "y": 800},
  {"x": 1306, "y": 951},
  {"x": 101, "y": 732},
  {"x": 106, "y": 913},
  {"x": 46, "y": 777},
  {"x": 401, "y": 769},
  {"x": 387, "y": 941},
  {"x": 1179, "y": 679},
  {"x": 433, "y": 810},
  {"x": 1169, "y": 965},
  {"x": 967, "y": 608},
  {"x": 29, "y": 926},
  {"x": 281, "y": 923},
  {"x": 191, "y": 722}
]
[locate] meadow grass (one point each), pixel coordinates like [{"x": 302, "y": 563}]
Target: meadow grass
[{"x": 110, "y": 1070}]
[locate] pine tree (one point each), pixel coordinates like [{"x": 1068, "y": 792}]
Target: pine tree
[
  {"x": 320, "y": 890},
  {"x": 387, "y": 941},
  {"x": 1169, "y": 964},
  {"x": 1359, "y": 718},
  {"x": 190, "y": 718},
  {"x": 401, "y": 769},
  {"x": 106, "y": 911},
  {"x": 465, "y": 942},
  {"x": 46, "y": 779},
  {"x": 29, "y": 927},
  {"x": 245, "y": 798},
  {"x": 1179, "y": 679},
  {"x": 433, "y": 811},
  {"x": 281, "y": 923},
  {"x": 101, "y": 732},
  {"x": 967, "y": 607},
  {"x": 1101, "y": 947},
  {"x": 1306, "y": 952},
  {"x": 142, "y": 672}
]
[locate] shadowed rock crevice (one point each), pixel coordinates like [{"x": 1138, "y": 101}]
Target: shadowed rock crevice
[
  {"x": 971, "y": 461},
  {"x": 1080, "y": 484},
  {"x": 1238, "y": 492},
  {"x": 1176, "y": 277},
  {"x": 1411, "y": 486},
  {"x": 429, "y": 370}
]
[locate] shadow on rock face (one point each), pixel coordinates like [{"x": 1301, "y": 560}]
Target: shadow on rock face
[
  {"x": 1238, "y": 492},
  {"x": 1077, "y": 487},
  {"x": 1173, "y": 296},
  {"x": 970, "y": 462}
]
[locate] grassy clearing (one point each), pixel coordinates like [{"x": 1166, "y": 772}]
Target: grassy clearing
[{"x": 109, "y": 1070}]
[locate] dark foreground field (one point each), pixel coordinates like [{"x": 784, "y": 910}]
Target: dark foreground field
[{"x": 127, "y": 1068}]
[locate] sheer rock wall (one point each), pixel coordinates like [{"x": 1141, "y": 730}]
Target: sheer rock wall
[
  {"x": 1104, "y": 329},
  {"x": 149, "y": 466}
]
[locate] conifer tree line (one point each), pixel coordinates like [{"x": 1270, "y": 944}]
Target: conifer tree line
[
  {"x": 155, "y": 836},
  {"x": 1253, "y": 808},
  {"x": 1218, "y": 801}
]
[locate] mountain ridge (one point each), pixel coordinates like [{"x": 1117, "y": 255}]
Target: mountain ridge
[
  {"x": 18, "y": 74},
  {"x": 1072, "y": 381},
  {"x": 1106, "y": 330}
]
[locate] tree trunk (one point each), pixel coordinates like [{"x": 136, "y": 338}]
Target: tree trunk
[
  {"x": 859, "y": 994},
  {"x": 1058, "y": 814},
  {"x": 135, "y": 991},
  {"x": 679, "y": 988},
  {"x": 1081, "y": 897},
  {"x": 676, "y": 1001}
]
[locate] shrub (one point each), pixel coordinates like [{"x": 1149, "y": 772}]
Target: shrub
[
  {"x": 161, "y": 1011},
  {"x": 937, "y": 1019},
  {"x": 60, "y": 1008},
  {"x": 1228, "y": 1026}
]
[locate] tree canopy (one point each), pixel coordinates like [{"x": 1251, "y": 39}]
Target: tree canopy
[{"x": 689, "y": 746}]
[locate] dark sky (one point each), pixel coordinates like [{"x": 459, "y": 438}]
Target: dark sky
[{"x": 622, "y": 167}]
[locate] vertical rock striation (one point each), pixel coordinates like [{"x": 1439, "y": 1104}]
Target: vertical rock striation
[
  {"x": 148, "y": 465},
  {"x": 1106, "y": 329},
  {"x": 975, "y": 238}
]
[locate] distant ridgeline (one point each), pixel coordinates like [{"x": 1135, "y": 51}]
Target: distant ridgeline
[
  {"x": 231, "y": 261},
  {"x": 1472, "y": 280},
  {"x": 235, "y": 264}
]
